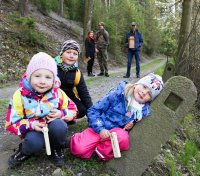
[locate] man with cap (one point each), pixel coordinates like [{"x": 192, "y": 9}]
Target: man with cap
[
  {"x": 134, "y": 43},
  {"x": 102, "y": 42}
]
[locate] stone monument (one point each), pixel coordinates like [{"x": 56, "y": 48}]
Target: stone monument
[{"x": 146, "y": 138}]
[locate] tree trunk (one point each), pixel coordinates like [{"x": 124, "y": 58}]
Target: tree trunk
[
  {"x": 61, "y": 7},
  {"x": 182, "y": 62},
  {"x": 89, "y": 5},
  {"x": 23, "y": 7}
]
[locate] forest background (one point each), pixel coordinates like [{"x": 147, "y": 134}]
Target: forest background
[{"x": 169, "y": 27}]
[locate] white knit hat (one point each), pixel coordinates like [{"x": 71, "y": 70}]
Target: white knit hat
[
  {"x": 153, "y": 82},
  {"x": 41, "y": 60}
]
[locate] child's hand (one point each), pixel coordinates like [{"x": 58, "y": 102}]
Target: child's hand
[
  {"x": 39, "y": 126},
  {"x": 104, "y": 134},
  {"x": 54, "y": 114},
  {"x": 128, "y": 126}
]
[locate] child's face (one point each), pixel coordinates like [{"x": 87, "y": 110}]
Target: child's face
[
  {"x": 70, "y": 56},
  {"x": 42, "y": 80},
  {"x": 142, "y": 93}
]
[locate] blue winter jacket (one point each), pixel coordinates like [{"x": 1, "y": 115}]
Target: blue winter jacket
[
  {"x": 110, "y": 111},
  {"x": 138, "y": 39}
]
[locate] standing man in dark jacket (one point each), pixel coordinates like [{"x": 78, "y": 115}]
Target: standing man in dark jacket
[
  {"x": 134, "y": 43},
  {"x": 102, "y": 42}
]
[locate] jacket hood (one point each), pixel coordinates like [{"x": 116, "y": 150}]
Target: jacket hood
[{"x": 28, "y": 91}]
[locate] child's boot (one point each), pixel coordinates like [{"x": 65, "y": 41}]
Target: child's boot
[
  {"x": 17, "y": 158},
  {"x": 58, "y": 157}
]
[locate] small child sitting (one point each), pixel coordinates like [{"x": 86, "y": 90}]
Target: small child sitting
[
  {"x": 117, "y": 112},
  {"x": 71, "y": 77},
  {"x": 39, "y": 102}
]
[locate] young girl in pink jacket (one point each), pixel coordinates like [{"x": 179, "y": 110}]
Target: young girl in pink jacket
[{"x": 36, "y": 104}]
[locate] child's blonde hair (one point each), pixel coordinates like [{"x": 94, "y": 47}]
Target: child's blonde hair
[{"x": 129, "y": 89}]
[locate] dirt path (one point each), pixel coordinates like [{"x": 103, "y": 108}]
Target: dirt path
[
  {"x": 8, "y": 91},
  {"x": 98, "y": 87}
]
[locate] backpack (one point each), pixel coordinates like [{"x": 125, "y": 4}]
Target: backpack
[{"x": 76, "y": 82}]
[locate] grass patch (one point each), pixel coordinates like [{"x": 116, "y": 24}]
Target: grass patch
[
  {"x": 8, "y": 84},
  {"x": 151, "y": 64},
  {"x": 190, "y": 150},
  {"x": 160, "y": 70},
  {"x": 3, "y": 106},
  {"x": 172, "y": 165}
]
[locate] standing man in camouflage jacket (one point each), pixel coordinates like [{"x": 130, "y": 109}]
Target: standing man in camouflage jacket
[{"x": 102, "y": 42}]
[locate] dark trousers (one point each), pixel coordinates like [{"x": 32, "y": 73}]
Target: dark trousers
[
  {"x": 102, "y": 57},
  {"x": 82, "y": 110},
  {"x": 34, "y": 141},
  {"x": 90, "y": 65},
  {"x": 131, "y": 53}
]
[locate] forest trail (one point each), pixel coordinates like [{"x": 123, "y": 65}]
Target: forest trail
[{"x": 9, "y": 90}]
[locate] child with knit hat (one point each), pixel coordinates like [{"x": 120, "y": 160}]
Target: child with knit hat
[
  {"x": 117, "y": 112},
  {"x": 71, "y": 77},
  {"x": 37, "y": 103}
]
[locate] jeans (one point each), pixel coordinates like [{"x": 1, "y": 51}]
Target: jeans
[
  {"x": 131, "y": 53},
  {"x": 34, "y": 140}
]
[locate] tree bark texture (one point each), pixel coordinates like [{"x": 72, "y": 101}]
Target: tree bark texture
[
  {"x": 61, "y": 7},
  {"x": 182, "y": 62},
  {"x": 23, "y": 7},
  {"x": 88, "y": 12}
]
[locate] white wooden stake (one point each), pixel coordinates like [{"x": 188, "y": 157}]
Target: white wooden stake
[
  {"x": 46, "y": 139},
  {"x": 115, "y": 145}
]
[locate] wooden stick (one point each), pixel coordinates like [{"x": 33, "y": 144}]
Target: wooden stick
[
  {"x": 46, "y": 139},
  {"x": 115, "y": 145}
]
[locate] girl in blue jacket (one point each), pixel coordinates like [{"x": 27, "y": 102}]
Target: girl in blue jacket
[{"x": 117, "y": 112}]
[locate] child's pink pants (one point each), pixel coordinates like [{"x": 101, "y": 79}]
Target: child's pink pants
[{"x": 85, "y": 143}]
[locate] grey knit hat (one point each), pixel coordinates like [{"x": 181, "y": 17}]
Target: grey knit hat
[
  {"x": 153, "y": 82},
  {"x": 70, "y": 44}
]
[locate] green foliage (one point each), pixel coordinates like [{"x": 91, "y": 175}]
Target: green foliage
[
  {"x": 44, "y": 6},
  {"x": 196, "y": 165},
  {"x": 75, "y": 10},
  {"x": 151, "y": 31},
  {"x": 160, "y": 70},
  {"x": 2, "y": 77},
  {"x": 55, "y": 6},
  {"x": 190, "y": 150},
  {"x": 172, "y": 165},
  {"x": 118, "y": 24},
  {"x": 187, "y": 119},
  {"x": 27, "y": 32},
  {"x": 26, "y": 21},
  {"x": 3, "y": 106},
  {"x": 192, "y": 133},
  {"x": 169, "y": 43}
]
